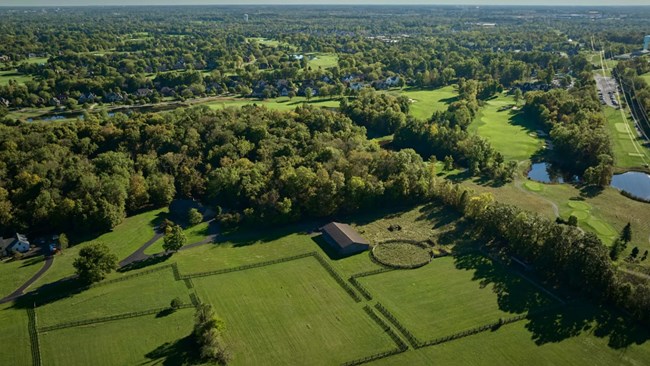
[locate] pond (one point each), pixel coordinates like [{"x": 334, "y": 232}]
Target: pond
[
  {"x": 546, "y": 173},
  {"x": 634, "y": 183}
]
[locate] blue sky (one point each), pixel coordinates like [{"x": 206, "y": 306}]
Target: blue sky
[{"x": 341, "y": 2}]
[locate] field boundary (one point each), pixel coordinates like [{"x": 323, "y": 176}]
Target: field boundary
[
  {"x": 401, "y": 346},
  {"x": 405, "y": 332},
  {"x": 105, "y": 319},
  {"x": 322, "y": 261},
  {"x": 33, "y": 337}
]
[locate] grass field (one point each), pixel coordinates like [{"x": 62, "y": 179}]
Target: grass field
[
  {"x": 193, "y": 234},
  {"x": 6, "y": 76},
  {"x": 646, "y": 77},
  {"x": 280, "y": 104},
  {"x": 508, "y": 131},
  {"x": 629, "y": 151},
  {"x": 303, "y": 318},
  {"x": 147, "y": 340},
  {"x": 150, "y": 291},
  {"x": 425, "y": 102},
  {"x": 123, "y": 240},
  {"x": 14, "y": 338},
  {"x": 15, "y": 273},
  {"x": 323, "y": 60},
  {"x": 450, "y": 295},
  {"x": 587, "y": 343}
]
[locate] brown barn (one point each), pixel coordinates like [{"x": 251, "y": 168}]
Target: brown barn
[{"x": 343, "y": 238}]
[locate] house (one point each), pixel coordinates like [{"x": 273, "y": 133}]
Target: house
[
  {"x": 18, "y": 243},
  {"x": 392, "y": 81},
  {"x": 343, "y": 238}
]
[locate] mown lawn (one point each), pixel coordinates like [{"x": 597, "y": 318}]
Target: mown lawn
[
  {"x": 15, "y": 273},
  {"x": 425, "y": 102},
  {"x": 450, "y": 295},
  {"x": 6, "y": 76},
  {"x": 146, "y": 340},
  {"x": 14, "y": 337},
  {"x": 150, "y": 291},
  {"x": 323, "y": 60},
  {"x": 193, "y": 234},
  {"x": 123, "y": 240},
  {"x": 562, "y": 340},
  {"x": 280, "y": 104},
  {"x": 291, "y": 313},
  {"x": 629, "y": 151},
  {"x": 508, "y": 131}
]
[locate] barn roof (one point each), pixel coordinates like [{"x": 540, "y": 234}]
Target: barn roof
[{"x": 343, "y": 234}]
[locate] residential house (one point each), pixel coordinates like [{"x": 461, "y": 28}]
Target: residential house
[{"x": 16, "y": 244}]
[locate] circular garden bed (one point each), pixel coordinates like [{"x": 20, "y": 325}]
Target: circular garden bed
[{"x": 402, "y": 254}]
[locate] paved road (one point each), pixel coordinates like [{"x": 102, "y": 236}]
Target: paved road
[
  {"x": 19, "y": 292},
  {"x": 139, "y": 254}
]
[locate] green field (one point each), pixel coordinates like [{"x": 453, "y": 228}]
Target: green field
[
  {"x": 193, "y": 234},
  {"x": 150, "y": 291},
  {"x": 322, "y": 60},
  {"x": 146, "y": 340},
  {"x": 508, "y": 131},
  {"x": 304, "y": 317},
  {"x": 569, "y": 339},
  {"x": 280, "y": 104},
  {"x": 6, "y": 76},
  {"x": 15, "y": 273},
  {"x": 425, "y": 102},
  {"x": 450, "y": 295},
  {"x": 123, "y": 240},
  {"x": 629, "y": 151},
  {"x": 15, "y": 349}
]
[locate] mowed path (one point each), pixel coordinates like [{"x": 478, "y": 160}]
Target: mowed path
[{"x": 20, "y": 290}]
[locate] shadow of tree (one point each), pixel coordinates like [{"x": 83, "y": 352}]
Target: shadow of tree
[
  {"x": 546, "y": 322},
  {"x": 51, "y": 292},
  {"x": 152, "y": 260},
  {"x": 181, "y": 352}
]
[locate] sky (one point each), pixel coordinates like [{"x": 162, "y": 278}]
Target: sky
[{"x": 339, "y": 2}]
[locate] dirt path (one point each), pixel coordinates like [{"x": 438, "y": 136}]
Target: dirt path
[
  {"x": 19, "y": 292},
  {"x": 635, "y": 273}
]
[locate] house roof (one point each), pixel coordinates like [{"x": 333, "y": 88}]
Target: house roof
[
  {"x": 5, "y": 243},
  {"x": 343, "y": 234}
]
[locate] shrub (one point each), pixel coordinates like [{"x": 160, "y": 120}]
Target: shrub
[
  {"x": 194, "y": 217},
  {"x": 176, "y": 303}
]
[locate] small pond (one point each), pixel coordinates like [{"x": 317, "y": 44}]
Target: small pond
[
  {"x": 634, "y": 183},
  {"x": 545, "y": 173}
]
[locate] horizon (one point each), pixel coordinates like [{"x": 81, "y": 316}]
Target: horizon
[{"x": 483, "y": 3}]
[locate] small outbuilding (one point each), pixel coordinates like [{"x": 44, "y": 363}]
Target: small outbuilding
[{"x": 344, "y": 239}]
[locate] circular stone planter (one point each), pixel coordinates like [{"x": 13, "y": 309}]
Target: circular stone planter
[{"x": 402, "y": 254}]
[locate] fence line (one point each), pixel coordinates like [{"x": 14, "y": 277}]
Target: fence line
[
  {"x": 247, "y": 266},
  {"x": 366, "y": 294},
  {"x": 109, "y": 318},
  {"x": 128, "y": 277},
  {"x": 405, "y": 332},
  {"x": 373, "y": 272},
  {"x": 33, "y": 337},
  {"x": 328, "y": 267}
]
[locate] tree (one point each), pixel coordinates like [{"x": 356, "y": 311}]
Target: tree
[
  {"x": 207, "y": 332},
  {"x": 626, "y": 234},
  {"x": 572, "y": 221},
  {"x": 176, "y": 303},
  {"x": 517, "y": 95},
  {"x": 635, "y": 252},
  {"x": 308, "y": 93},
  {"x": 63, "y": 242},
  {"x": 194, "y": 217},
  {"x": 94, "y": 263},
  {"x": 617, "y": 248},
  {"x": 174, "y": 238},
  {"x": 449, "y": 162}
]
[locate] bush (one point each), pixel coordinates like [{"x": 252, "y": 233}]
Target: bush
[
  {"x": 194, "y": 217},
  {"x": 176, "y": 303}
]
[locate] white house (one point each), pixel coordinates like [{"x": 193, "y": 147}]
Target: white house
[{"x": 19, "y": 243}]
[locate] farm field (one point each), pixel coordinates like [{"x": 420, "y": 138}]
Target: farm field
[
  {"x": 146, "y": 340},
  {"x": 541, "y": 341},
  {"x": 304, "y": 316},
  {"x": 508, "y": 131},
  {"x": 149, "y": 291},
  {"x": 14, "y": 337},
  {"x": 451, "y": 295},
  {"x": 15, "y": 273},
  {"x": 123, "y": 240},
  {"x": 629, "y": 151}
]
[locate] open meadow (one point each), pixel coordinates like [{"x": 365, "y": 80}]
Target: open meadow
[{"x": 426, "y": 101}]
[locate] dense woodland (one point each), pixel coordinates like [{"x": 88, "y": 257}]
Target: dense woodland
[{"x": 267, "y": 167}]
